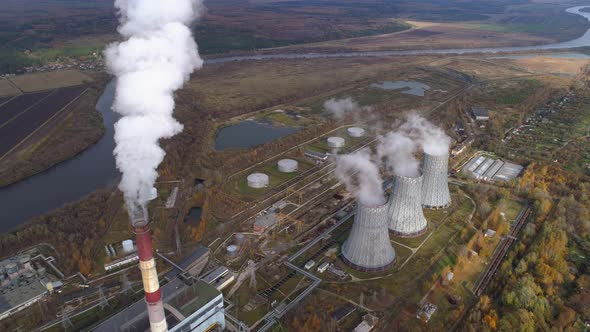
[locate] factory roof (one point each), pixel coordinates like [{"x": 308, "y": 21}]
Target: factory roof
[
  {"x": 508, "y": 172},
  {"x": 217, "y": 273},
  {"x": 189, "y": 299},
  {"x": 20, "y": 295},
  {"x": 478, "y": 111},
  {"x": 199, "y": 252},
  {"x": 184, "y": 299},
  {"x": 266, "y": 220}
]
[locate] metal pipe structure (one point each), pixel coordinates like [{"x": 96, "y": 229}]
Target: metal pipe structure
[
  {"x": 149, "y": 275},
  {"x": 368, "y": 248},
  {"x": 435, "y": 186},
  {"x": 405, "y": 208}
]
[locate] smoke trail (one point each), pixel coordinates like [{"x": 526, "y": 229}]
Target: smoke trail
[
  {"x": 433, "y": 139},
  {"x": 157, "y": 57},
  {"x": 399, "y": 151},
  {"x": 340, "y": 108},
  {"x": 360, "y": 175}
]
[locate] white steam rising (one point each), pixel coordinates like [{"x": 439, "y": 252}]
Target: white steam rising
[
  {"x": 433, "y": 139},
  {"x": 360, "y": 174},
  {"x": 341, "y": 108},
  {"x": 399, "y": 152},
  {"x": 157, "y": 57}
]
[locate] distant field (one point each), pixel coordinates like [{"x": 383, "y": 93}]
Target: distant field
[
  {"x": 50, "y": 80},
  {"x": 7, "y": 89},
  {"x": 30, "y": 112}
]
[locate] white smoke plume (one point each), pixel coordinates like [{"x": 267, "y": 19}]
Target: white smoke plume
[
  {"x": 360, "y": 174},
  {"x": 341, "y": 108},
  {"x": 431, "y": 138},
  {"x": 399, "y": 152},
  {"x": 156, "y": 58}
]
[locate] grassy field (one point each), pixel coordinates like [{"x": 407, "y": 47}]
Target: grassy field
[
  {"x": 407, "y": 283},
  {"x": 7, "y": 88},
  {"x": 50, "y": 80}
]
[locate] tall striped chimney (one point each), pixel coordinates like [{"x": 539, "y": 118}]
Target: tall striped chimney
[{"x": 149, "y": 275}]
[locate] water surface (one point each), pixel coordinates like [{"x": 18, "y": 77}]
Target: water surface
[
  {"x": 249, "y": 133},
  {"x": 68, "y": 181},
  {"x": 408, "y": 87}
]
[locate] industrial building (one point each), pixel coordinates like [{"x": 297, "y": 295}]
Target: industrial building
[
  {"x": 287, "y": 165},
  {"x": 197, "y": 307},
  {"x": 22, "y": 283},
  {"x": 488, "y": 169},
  {"x": 219, "y": 278},
  {"x": 193, "y": 264},
  {"x": 405, "y": 209},
  {"x": 435, "y": 184},
  {"x": 368, "y": 247},
  {"x": 336, "y": 142},
  {"x": 263, "y": 222},
  {"x": 355, "y": 132},
  {"x": 479, "y": 114},
  {"x": 317, "y": 156},
  {"x": 258, "y": 180}
]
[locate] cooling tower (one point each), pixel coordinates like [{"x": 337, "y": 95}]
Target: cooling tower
[
  {"x": 367, "y": 247},
  {"x": 435, "y": 185},
  {"x": 405, "y": 208}
]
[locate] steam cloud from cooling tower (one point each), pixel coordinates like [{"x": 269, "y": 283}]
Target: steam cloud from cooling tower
[
  {"x": 399, "y": 151},
  {"x": 360, "y": 174},
  {"x": 341, "y": 108},
  {"x": 432, "y": 139},
  {"x": 156, "y": 59}
]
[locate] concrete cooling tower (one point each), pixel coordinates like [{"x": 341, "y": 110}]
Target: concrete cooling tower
[
  {"x": 405, "y": 208},
  {"x": 368, "y": 248},
  {"x": 435, "y": 186}
]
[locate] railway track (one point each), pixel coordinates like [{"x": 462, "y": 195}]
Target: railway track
[{"x": 501, "y": 251}]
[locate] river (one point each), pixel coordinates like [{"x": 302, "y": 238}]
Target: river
[
  {"x": 68, "y": 181},
  {"x": 584, "y": 40},
  {"x": 95, "y": 167}
]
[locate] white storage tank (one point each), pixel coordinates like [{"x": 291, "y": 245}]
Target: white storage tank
[
  {"x": 335, "y": 142},
  {"x": 258, "y": 180},
  {"x": 287, "y": 165},
  {"x": 232, "y": 250},
  {"x": 128, "y": 246},
  {"x": 355, "y": 132}
]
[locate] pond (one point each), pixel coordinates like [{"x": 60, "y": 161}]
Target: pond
[
  {"x": 249, "y": 133},
  {"x": 408, "y": 87},
  {"x": 194, "y": 216}
]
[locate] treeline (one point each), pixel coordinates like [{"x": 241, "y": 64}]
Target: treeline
[
  {"x": 72, "y": 230},
  {"x": 544, "y": 284}
]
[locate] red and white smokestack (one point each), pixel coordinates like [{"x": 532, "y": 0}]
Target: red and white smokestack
[{"x": 149, "y": 275}]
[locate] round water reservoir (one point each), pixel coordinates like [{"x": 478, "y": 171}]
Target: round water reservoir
[
  {"x": 128, "y": 246},
  {"x": 355, "y": 132},
  {"x": 336, "y": 142},
  {"x": 287, "y": 165},
  {"x": 258, "y": 180},
  {"x": 232, "y": 250}
]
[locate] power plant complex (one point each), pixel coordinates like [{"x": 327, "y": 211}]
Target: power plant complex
[{"x": 368, "y": 247}]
